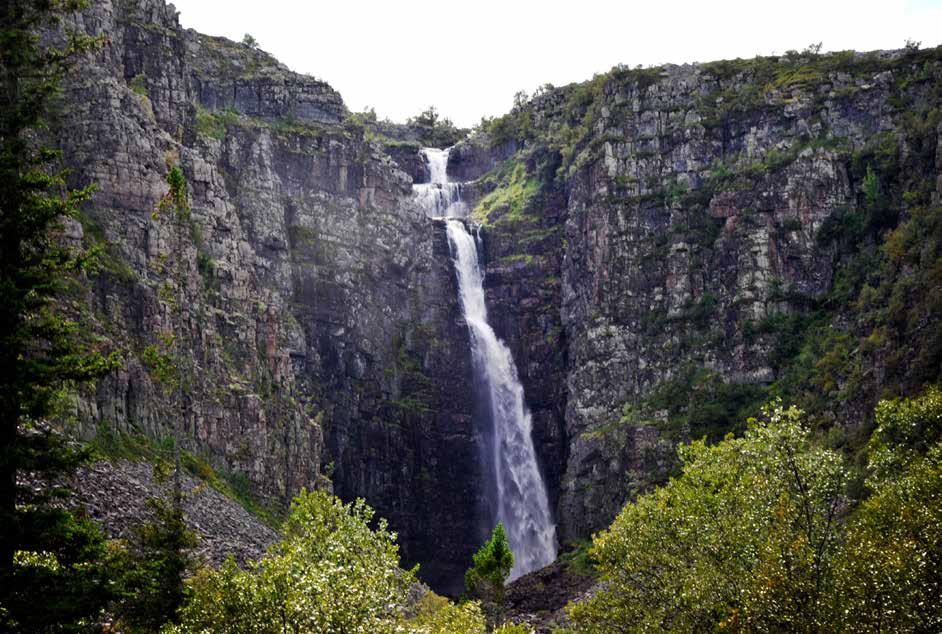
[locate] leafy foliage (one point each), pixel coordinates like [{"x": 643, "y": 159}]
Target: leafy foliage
[
  {"x": 742, "y": 540},
  {"x": 434, "y": 130},
  {"x": 888, "y": 576},
  {"x": 437, "y": 614},
  {"x": 330, "y": 573},
  {"x": 749, "y": 537},
  {"x": 906, "y": 430}
]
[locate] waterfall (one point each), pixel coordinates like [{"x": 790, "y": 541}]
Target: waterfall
[
  {"x": 522, "y": 504},
  {"x": 438, "y": 197}
]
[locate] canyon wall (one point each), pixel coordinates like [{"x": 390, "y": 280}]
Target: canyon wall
[
  {"x": 669, "y": 248},
  {"x": 318, "y": 314},
  {"x": 666, "y": 249}
]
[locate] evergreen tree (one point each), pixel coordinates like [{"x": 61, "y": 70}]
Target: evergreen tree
[
  {"x": 159, "y": 556},
  {"x": 492, "y": 565},
  {"x": 46, "y": 553}
]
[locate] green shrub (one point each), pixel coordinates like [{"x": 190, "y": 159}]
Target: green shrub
[
  {"x": 513, "y": 197},
  {"x": 437, "y": 614},
  {"x": 742, "y": 540},
  {"x": 757, "y": 535},
  {"x": 887, "y": 576},
  {"x": 138, "y": 84},
  {"x": 330, "y": 573}
]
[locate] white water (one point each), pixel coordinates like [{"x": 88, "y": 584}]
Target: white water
[
  {"x": 522, "y": 503},
  {"x": 439, "y": 198}
]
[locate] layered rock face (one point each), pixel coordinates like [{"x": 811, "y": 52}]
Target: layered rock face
[
  {"x": 314, "y": 306},
  {"x": 660, "y": 234},
  {"x": 658, "y": 245}
]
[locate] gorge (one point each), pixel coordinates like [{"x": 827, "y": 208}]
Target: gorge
[{"x": 655, "y": 254}]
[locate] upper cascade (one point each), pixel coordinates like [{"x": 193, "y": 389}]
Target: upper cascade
[{"x": 439, "y": 198}]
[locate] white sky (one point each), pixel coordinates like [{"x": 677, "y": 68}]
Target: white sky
[{"x": 468, "y": 58}]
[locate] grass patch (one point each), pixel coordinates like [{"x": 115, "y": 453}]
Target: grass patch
[
  {"x": 511, "y": 199},
  {"x": 576, "y": 558},
  {"x": 517, "y": 258},
  {"x": 138, "y": 84},
  {"x": 214, "y": 124}
]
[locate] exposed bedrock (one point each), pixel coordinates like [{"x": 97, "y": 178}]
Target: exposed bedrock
[{"x": 644, "y": 234}]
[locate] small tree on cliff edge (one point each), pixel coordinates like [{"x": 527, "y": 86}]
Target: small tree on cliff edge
[
  {"x": 492, "y": 565},
  {"x": 46, "y": 554}
]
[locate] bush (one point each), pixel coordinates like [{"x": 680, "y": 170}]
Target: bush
[
  {"x": 330, "y": 573},
  {"x": 750, "y": 538},
  {"x": 438, "y": 614},
  {"x": 743, "y": 539},
  {"x": 888, "y": 576}
]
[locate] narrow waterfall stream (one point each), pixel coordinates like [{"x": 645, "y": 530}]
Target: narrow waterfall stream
[{"x": 522, "y": 503}]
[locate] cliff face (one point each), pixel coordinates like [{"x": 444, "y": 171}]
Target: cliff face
[
  {"x": 676, "y": 242},
  {"x": 319, "y": 317},
  {"x": 665, "y": 250}
]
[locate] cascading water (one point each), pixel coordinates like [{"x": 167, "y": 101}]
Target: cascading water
[
  {"x": 522, "y": 503},
  {"x": 438, "y": 197}
]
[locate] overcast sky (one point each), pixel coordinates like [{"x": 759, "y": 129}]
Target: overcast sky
[{"x": 469, "y": 58}]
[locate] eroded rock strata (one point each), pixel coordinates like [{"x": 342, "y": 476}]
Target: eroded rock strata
[
  {"x": 319, "y": 313},
  {"x": 659, "y": 245}
]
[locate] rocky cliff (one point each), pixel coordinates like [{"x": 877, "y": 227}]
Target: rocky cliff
[
  {"x": 671, "y": 247},
  {"x": 315, "y": 307},
  {"x": 666, "y": 249}
]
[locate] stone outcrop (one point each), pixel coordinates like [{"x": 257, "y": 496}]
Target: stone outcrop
[
  {"x": 656, "y": 240},
  {"x": 315, "y": 308}
]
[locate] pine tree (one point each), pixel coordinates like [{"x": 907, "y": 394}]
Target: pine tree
[
  {"x": 492, "y": 565},
  {"x": 45, "y": 552},
  {"x": 159, "y": 556}
]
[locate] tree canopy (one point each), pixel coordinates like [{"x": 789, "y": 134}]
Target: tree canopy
[
  {"x": 756, "y": 534},
  {"x": 330, "y": 573}
]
